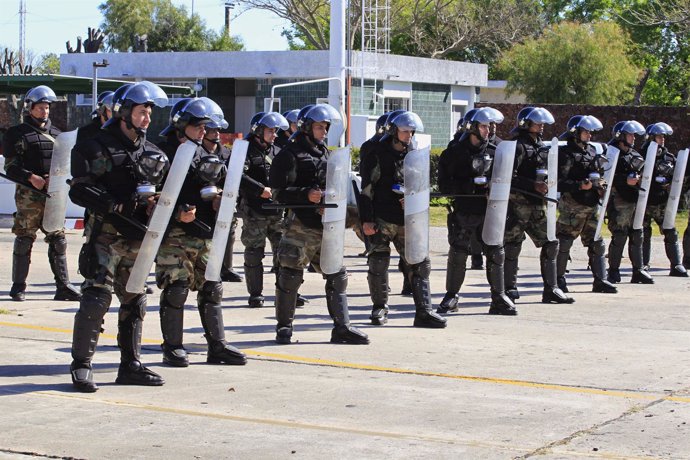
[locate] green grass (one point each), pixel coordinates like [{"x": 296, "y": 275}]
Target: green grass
[
  {"x": 5, "y": 312},
  {"x": 437, "y": 218}
]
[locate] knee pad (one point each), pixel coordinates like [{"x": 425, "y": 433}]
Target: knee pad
[
  {"x": 211, "y": 292},
  {"x": 597, "y": 248},
  {"x": 565, "y": 243},
  {"x": 253, "y": 257},
  {"x": 378, "y": 264},
  {"x": 135, "y": 308},
  {"x": 422, "y": 269},
  {"x": 636, "y": 237},
  {"x": 512, "y": 250},
  {"x": 337, "y": 281},
  {"x": 175, "y": 295},
  {"x": 456, "y": 253},
  {"x": 95, "y": 303},
  {"x": 670, "y": 236},
  {"x": 550, "y": 250},
  {"x": 23, "y": 245},
  {"x": 496, "y": 254},
  {"x": 289, "y": 279},
  {"x": 618, "y": 238}
]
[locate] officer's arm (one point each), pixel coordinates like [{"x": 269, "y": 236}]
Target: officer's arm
[
  {"x": 13, "y": 150},
  {"x": 248, "y": 185},
  {"x": 519, "y": 180},
  {"x": 85, "y": 169},
  {"x": 282, "y": 175},
  {"x": 370, "y": 172},
  {"x": 444, "y": 174}
]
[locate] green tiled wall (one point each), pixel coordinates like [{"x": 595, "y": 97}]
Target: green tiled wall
[
  {"x": 292, "y": 97},
  {"x": 433, "y": 103}
]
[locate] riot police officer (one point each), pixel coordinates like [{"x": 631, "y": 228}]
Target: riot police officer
[
  {"x": 181, "y": 260},
  {"x": 283, "y": 135},
  {"x": 114, "y": 176},
  {"x": 102, "y": 113},
  {"x": 527, "y": 208},
  {"x": 297, "y": 177},
  {"x": 580, "y": 172},
  {"x": 664, "y": 167},
  {"x": 465, "y": 169},
  {"x": 382, "y": 215},
  {"x": 621, "y": 209},
  {"x": 258, "y": 223},
  {"x": 28, "y": 149}
]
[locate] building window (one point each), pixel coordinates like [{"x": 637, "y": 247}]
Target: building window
[
  {"x": 322, "y": 100},
  {"x": 396, "y": 103},
  {"x": 276, "y": 104}
]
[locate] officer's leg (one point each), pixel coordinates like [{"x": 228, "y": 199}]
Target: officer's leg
[
  {"x": 254, "y": 275},
  {"x": 501, "y": 304},
  {"x": 565, "y": 242},
  {"x": 172, "y": 302},
  {"x": 209, "y": 299},
  {"x": 336, "y": 299},
  {"x": 377, "y": 277},
  {"x": 87, "y": 328},
  {"x": 646, "y": 244},
  {"x": 130, "y": 324},
  {"x": 686, "y": 245},
  {"x": 547, "y": 259},
  {"x": 673, "y": 253},
  {"x": 227, "y": 273},
  {"x": 57, "y": 248},
  {"x": 616, "y": 247},
  {"x": 476, "y": 252},
  {"x": 21, "y": 259},
  {"x": 512, "y": 254},
  {"x": 405, "y": 270},
  {"x": 597, "y": 263},
  {"x": 425, "y": 316},
  {"x": 639, "y": 275},
  {"x": 455, "y": 276},
  {"x": 289, "y": 281}
]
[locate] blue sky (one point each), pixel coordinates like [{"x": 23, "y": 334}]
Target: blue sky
[{"x": 50, "y": 23}]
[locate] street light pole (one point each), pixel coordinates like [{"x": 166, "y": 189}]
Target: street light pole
[
  {"x": 94, "y": 82},
  {"x": 228, "y": 8}
]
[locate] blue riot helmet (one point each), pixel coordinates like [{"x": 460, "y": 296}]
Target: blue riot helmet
[
  {"x": 104, "y": 102},
  {"x": 579, "y": 123},
  {"x": 131, "y": 95},
  {"x": 622, "y": 127},
  {"x": 533, "y": 115},
  {"x": 483, "y": 116},
  {"x": 175, "y": 108},
  {"x": 461, "y": 123},
  {"x": 405, "y": 121},
  {"x": 391, "y": 115},
  {"x": 197, "y": 111},
  {"x": 381, "y": 124},
  {"x": 303, "y": 111},
  {"x": 38, "y": 94},
  {"x": 317, "y": 114},
  {"x": 658, "y": 129},
  {"x": 271, "y": 120}
]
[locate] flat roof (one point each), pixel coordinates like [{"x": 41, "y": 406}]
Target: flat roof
[{"x": 68, "y": 84}]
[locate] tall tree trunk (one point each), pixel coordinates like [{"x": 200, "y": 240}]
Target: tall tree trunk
[{"x": 640, "y": 86}]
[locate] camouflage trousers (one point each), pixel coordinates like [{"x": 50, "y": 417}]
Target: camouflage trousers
[
  {"x": 115, "y": 256},
  {"x": 654, "y": 213},
  {"x": 620, "y": 214},
  {"x": 29, "y": 215},
  {"x": 575, "y": 219},
  {"x": 465, "y": 231},
  {"x": 525, "y": 217},
  {"x": 182, "y": 258},
  {"x": 256, "y": 229},
  {"x": 300, "y": 245},
  {"x": 386, "y": 234}
]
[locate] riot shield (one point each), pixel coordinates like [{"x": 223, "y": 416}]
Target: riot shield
[
  {"x": 58, "y": 189},
  {"x": 645, "y": 183},
  {"x": 416, "y": 168},
  {"x": 499, "y": 194},
  {"x": 552, "y": 183},
  {"x": 676, "y": 190},
  {"x": 612, "y": 154},
  {"x": 226, "y": 210},
  {"x": 160, "y": 218},
  {"x": 337, "y": 185}
]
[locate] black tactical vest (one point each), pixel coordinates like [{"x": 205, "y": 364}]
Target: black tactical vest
[
  {"x": 386, "y": 202},
  {"x": 38, "y": 144}
]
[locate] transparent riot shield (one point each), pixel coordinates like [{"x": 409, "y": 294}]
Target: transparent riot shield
[
  {"x": 226, "y": 210},
  {"x": 160, "y": 218},
  {"x": 676, "y": 190},
  {"x": 552, "y": 183},
  {"x": 499, "y": 194},
  {"x": 416, "y": 168},
  {"x": 58, "y": 189},
  {"x": 337, "y": 186},
  {"x": 612, "y": 154},
  {"x": 645, "y": 183}
]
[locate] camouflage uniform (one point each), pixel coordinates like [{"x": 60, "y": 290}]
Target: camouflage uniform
[{"x": 28, "y": 150}]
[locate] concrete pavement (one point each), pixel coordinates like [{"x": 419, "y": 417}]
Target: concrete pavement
[{"x": 606, "y": 377}]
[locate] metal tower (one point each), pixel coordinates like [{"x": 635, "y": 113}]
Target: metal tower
[
  {"x": 376, "y": 39},
  {"x": 22, "y": 33}
]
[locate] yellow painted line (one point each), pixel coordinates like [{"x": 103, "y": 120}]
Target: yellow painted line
[{"x": 396, "y": 370}]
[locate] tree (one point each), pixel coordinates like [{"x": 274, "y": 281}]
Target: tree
[
  {"x": 573, "y": 63},
  {"x": 166, "y": 27},
  {"x": 49, "y": 64}
]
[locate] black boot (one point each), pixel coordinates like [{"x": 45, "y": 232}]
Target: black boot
[
  {"x": 564, "y": 245},
  {"x": 552, "y": 293},
  {"x": 455, "y": 277},
  {"x": 289, "y": 281},
  {"x": 171, "y": 311},
  {"x": 510, "y": 269},
  {"x": 254, "y": 276},
  {"x": 616, "y": 247},
  {"x": 639, "y": 275},
  {"x": 425, "y": 316},
  {"x": 501, "y": 304},
  {"x": 130, "y": 324},
  {"x": 646, "y": 244},
  {"x": 87, "y": 329},
  {"x": 57, "y": 247},
  {"x": 209, "y": 299},
  {"x": 597, "y": 263},
  {"x": 449, "y": 303},
  {"x": 672, "y": 248},
  {"x": 377, "y": 277},
  {"x": 406, "y": 286},
  {"x": 336, "y": 299},
  {"x": 21, "y": 260}
]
